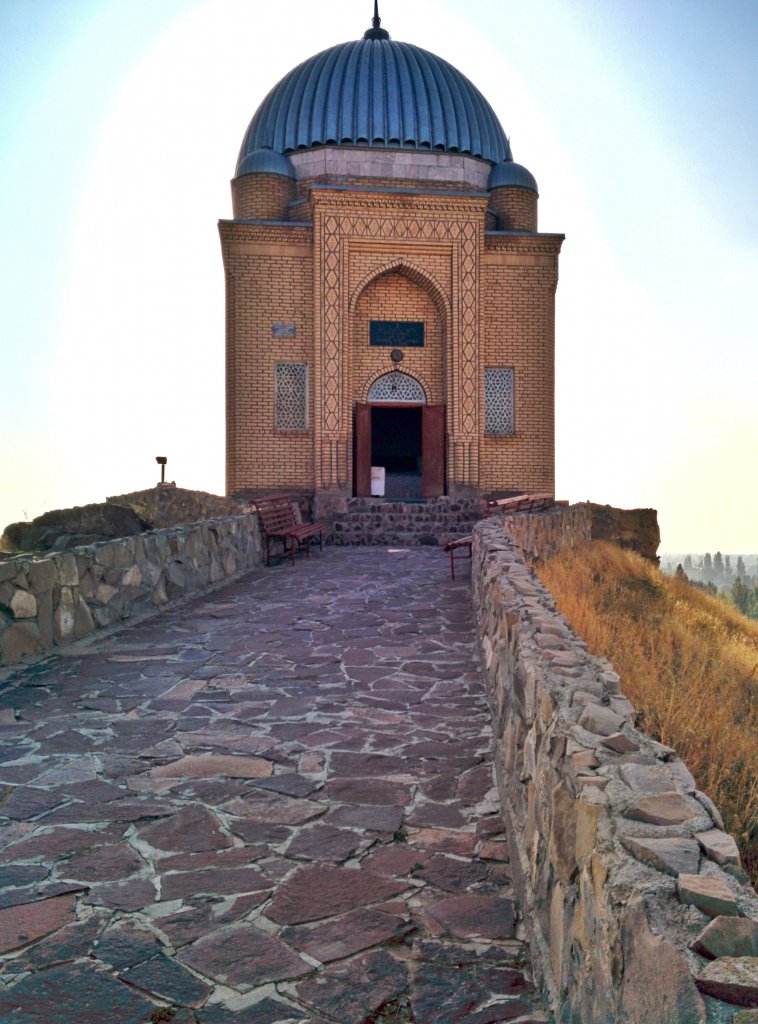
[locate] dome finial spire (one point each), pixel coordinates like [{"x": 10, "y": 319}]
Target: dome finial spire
[{"x": 376, "y": 31}]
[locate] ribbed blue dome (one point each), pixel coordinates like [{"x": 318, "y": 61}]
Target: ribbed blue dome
[{"x": 376, "y": 92}]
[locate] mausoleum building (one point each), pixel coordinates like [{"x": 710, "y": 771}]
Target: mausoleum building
[{"x": 389, "y": 299}]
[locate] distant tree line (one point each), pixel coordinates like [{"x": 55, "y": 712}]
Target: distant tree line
[{"x": 717, "y": 575}]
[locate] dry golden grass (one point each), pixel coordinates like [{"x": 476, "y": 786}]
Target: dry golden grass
[{"x": 688, "y": 662}]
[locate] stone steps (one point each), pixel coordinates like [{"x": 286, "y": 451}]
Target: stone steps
[{"x": 368, "y": 521}]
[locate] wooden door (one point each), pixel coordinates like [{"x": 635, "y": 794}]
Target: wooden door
[
  {"x": 433, "y": 450},
  {"x": 362, "y": 451}
]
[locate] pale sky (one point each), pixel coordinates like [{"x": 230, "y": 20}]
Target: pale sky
[{"x": 120, "y": 123}]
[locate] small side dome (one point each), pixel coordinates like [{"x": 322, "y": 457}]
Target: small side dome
[
  {"x": 266, "y": 161},
  {"x": 513, "y": 175}
]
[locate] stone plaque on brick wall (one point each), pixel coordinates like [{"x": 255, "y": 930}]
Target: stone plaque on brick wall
[
  {"x": 283, "y": 330},
  {"x": 405, "y": 333}
]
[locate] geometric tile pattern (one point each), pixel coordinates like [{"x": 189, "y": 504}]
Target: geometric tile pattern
[
  {"x": 498, "y": 401},
  {"x": 291, "y": 396},
  {"x": 337, "y": 230},
  {"x": 396, "y": 387}
]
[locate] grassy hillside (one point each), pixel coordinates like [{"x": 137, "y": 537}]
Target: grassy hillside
[{"x": 688, "y": 662}]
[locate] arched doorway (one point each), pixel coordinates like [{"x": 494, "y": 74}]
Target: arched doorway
[{"x": 398, "y": 432}]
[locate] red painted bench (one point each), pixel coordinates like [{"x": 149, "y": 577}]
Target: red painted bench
[{"x": 278, "y": 522}]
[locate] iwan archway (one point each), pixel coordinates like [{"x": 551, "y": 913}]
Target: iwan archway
[{"x": 397, "y": 431}]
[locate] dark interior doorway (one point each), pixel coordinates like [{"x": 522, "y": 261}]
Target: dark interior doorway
[{"x": 396, "y": 438}]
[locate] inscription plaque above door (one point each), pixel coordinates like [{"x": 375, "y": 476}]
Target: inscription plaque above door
[{"x": 397, "y": 333}]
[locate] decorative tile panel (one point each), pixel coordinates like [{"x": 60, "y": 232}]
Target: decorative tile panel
[
  {"x": 498, "y": 401},
  {"x": 291, "y": 396},
  {"x": 396, "y": 387}
]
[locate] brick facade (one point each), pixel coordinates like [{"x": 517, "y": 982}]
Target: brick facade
[{"x": 310, "y": 263}]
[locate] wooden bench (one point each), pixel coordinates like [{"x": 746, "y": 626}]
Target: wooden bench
[
  {"x": 278, "y": 522},
  {"x": 521, "y": 503}
]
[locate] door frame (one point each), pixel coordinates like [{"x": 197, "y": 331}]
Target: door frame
[{"x": 433, "y": 446}]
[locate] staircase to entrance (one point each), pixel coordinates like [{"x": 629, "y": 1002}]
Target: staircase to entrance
[{"x": 431, "y": 522}]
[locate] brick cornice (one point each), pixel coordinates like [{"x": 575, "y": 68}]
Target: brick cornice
[{"x": 464, "y": 206}]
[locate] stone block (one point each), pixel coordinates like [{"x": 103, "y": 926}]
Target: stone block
[
  {"x": 705, "y": 801},
  {"x": 42, "y": 573},
  {"x": 728, "y": 936},
  {"x": 711, "y": 895},
  {"x": 563, "y": 831},
  {"x": 20, "y": 640},
  {"x": 132, "y": 577},
  {"x": 8, "y": 569},
  {"x": 719, "y": 846},
  {"x": 83, "y": 621},
  {"x": 600, "y": 720},
  {"x": 64, "y": 618},
  {"x": 105, "y": 555},
  {"x": 23, "y": 604},
  {"x": 656, "y": 985},
  {"x": 105, "y": 593},
  {"x": 68, "y": 571},
  {"x": 45, "y": 618},
  {"x": 87, "y": 584},
  {"x": 733, "y": 979},
  {"x": 673, "y": 856},
  {"x": 661, "y": 809},
  {"x": 620, "y": 743},
  {"x": 123, "y": 553},
  {"x": 647, "y": 779}
]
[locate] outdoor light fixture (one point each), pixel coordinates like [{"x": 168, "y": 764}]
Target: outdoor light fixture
[{"x": 162, "y": 460}]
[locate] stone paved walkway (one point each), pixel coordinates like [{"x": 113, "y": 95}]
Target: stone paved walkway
[{"x": 275, "y": 804}]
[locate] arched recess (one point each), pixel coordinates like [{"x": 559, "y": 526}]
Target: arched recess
[
  {"x": 413, "y": 273},
  {"x": 386, "y": 434}
]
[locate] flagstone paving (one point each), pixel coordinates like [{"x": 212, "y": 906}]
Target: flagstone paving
[{"x": 274, "y": 804}]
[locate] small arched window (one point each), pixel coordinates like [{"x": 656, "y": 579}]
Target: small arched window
[{"x": 396, "y": 387}]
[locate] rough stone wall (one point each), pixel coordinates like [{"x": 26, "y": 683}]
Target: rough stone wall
[
  {"x": 634, "y": 900},
  {"x": 634, "y": 528},
  {"x": 171, "y": 506},
  {"x": 62, "y": 597},
  {"x": 543, "y": 535}
]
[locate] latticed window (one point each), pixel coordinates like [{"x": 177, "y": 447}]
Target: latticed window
[
  {"x": 291, "y": 396},
  {"x": 498, "y": 401},
  {"x": 396, "y": 387}
]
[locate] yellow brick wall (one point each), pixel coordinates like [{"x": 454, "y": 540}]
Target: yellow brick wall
[
  {"x": 270, "y": 278},
  {"x": 517, "y": 327},
  {"x": 270, "y": 281},
  {"x": 514, "y": 208},
  {"x": 262, "y": 196}
]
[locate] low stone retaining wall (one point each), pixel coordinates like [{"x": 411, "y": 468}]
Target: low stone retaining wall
[
  {"x": 635, "y": 904},
  {"x": 58, "y": 598},
  {"x": 542, "y": 535}
]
